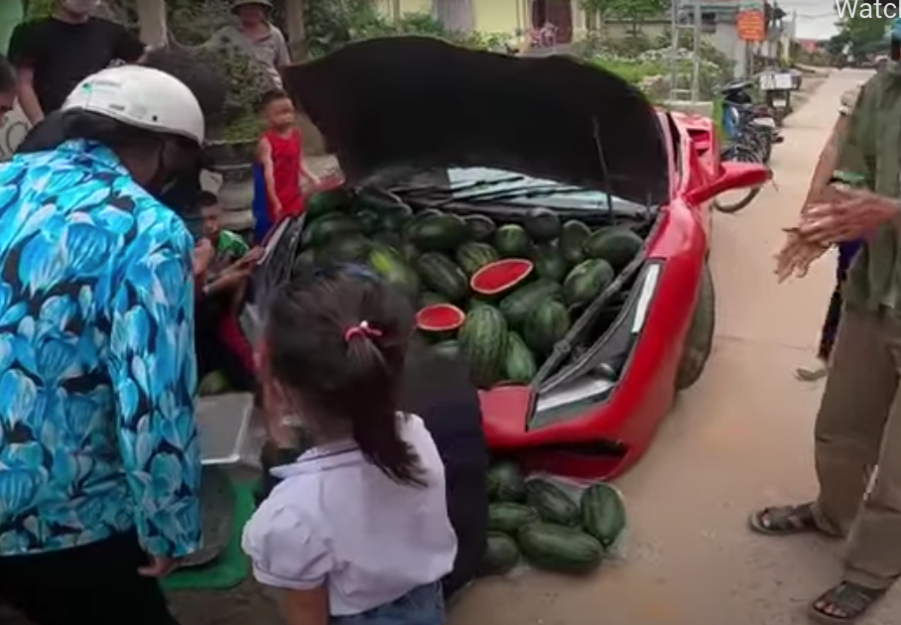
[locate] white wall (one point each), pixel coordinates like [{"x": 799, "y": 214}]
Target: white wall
[{"x": 726, "y": 41}]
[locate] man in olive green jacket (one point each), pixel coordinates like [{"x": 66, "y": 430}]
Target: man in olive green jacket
[{"x": 858, "y": 426}]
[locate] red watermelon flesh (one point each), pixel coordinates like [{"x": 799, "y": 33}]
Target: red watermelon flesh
[
  {"x": 440, "y": 318},
  {"x": 500, "y": 276}
]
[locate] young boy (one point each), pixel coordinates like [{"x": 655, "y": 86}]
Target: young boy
[
  {"x": 230, "y": 248},
  {"x": 280, "y": 163},
  {"x": 220, "y": 342}
]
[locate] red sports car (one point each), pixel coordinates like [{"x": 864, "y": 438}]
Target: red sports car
[{"x": 432, "y": 125}]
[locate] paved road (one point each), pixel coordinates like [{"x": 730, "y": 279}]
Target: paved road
[{"x": 739, "y": 439}]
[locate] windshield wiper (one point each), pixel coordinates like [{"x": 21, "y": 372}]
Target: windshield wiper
[
  {"x": 431, "y": 188},
  {"x": 521, "y": 193}
]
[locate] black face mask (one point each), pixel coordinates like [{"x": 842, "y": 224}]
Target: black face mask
[{"x": 177, "y": 181}]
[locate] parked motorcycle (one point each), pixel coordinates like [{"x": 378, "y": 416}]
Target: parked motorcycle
[
  {"x": 751, "y": 132},
  {"x": 777, "y": 87}
]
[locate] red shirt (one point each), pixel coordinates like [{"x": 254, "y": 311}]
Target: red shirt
[{"x": 286, "y": 154}]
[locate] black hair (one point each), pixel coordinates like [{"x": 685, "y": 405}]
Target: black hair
[
  {"x": 273, "y": 95},
  {"x": 356, "y": 379},
  {"x": 205, "y": 199},
  {"x": 895, "y": 49},
  {"x": 7, "y": 75}
]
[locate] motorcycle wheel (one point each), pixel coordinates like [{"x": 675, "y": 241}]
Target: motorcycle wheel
[{"x": 739, "y": 154}]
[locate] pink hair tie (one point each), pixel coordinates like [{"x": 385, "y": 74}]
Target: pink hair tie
[{"x": 361, "y": 329}]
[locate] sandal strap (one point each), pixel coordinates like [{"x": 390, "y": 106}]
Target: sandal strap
[
  {"x": 787, "y": 517},
  {"x": 852, "y": 599}
]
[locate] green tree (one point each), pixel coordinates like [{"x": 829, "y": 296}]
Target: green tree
[
  {"x": 637, "y": 11},
  {"x": 597, "y": 12},
  {"x": 865, "y": 31}
]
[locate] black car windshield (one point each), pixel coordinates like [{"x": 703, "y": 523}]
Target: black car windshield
[{"x": 478, "y": 185}]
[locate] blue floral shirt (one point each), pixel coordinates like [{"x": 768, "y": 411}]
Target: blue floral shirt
[{"x": 97, "y": 365}]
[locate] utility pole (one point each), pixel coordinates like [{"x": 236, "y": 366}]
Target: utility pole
[
  {"x": 685, "y": 22},
  {"x": 152, "y": 21}
]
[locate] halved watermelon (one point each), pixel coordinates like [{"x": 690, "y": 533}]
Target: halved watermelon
[
  {"x": 441, "y": 318},
  {"x": 500, "y": 276}
]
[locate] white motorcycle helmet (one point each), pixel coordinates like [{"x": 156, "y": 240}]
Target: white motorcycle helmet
[{"x": 140, "y": 97}]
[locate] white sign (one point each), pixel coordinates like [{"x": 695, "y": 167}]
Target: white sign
[{"x": 773, "y": 81}]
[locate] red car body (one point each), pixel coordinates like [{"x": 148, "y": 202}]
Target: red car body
[
  {"x": 632, "y": 413},
  {"x": 671, "y": 158}
]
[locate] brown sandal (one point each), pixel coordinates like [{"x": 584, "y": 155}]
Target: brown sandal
[
  {"x": 784, "y": 520},
  {"x": 844, "y": 603}
]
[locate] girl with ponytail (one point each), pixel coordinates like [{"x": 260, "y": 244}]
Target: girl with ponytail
[{"x": 358, "y": 527}]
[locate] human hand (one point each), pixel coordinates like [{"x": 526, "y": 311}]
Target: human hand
[
  {"x": 252, "y": 257},
  {"x": 796, "y": 256},
  {"x": 159, "y": 566},
  {"x": 854, "y": 215},
  {"x": 824, "y": 195}
]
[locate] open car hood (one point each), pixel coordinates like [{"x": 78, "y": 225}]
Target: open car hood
[{"x": 404, "y": 104}]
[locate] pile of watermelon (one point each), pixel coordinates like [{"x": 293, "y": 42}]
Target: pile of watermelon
[
  {"x": 539, "y": 522},
  {"x": 502, "y": 294}
]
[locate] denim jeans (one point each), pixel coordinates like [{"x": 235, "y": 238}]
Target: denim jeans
[{"x": 423, "y": 605}]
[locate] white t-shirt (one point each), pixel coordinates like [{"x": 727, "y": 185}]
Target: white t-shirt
[{"x": 338, "y": 519}]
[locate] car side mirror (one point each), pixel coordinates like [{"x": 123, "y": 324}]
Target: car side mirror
[{"x": 732, "y": 176}]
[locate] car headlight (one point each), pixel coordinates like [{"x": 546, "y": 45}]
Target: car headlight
[{"x": 594, "y": 374}]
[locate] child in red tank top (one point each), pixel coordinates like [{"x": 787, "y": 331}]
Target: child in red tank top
[{"x": 280, "y": 154}]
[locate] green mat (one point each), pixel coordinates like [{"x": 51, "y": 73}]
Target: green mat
[{"x": 231, "y": 566}]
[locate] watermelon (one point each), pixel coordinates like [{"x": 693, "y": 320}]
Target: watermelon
[
  {"x": 586, "y": 281},
  {"x": 549, "y": 262},
  {"x": 511, "y": 241},
  {"x": 551, "y": 502},
  {"x": 388, "y": 238},
  {"x": 501, "y": 555},
  {"x": 497, "y": 278},
  {"x": 369, "y": 220},
  {"x": 409, "y": 252},
  {"x": 441, "y": 275},
  {"x": 545, "y": 325},
  {"x": 417, "y": 217},
  {"x": 473, "y": 256},
  {"x": 348, "y": 249},
  {"x": 560, "y": 549},
  {"x": 573, "y": 235},
  {"x": 447, "y": 349},
  {"x": 388, "y": 264},
  {"x": 481, "y": 228},
  {"x": 603, "y": 513},
  {"x": 505, "y": 482},
  {"x": 214, "y": 383},
  {"x": 617, "y": 245},
  {"x": 482, "y": 340},
  {"x": 509, "y": 517},
  {"x": 542, "y": 225},
  {"x": 323, "y": 230},
  {"x": 389, "y": 206},
  {"x": 438, "y": 233},
  {"x": 519, "y": 362},
  {"x": 516, "y": 305},
  {"x": 440, "y": 318},
  {"x": 427, "y": 298},
  {"x": 324, "y": 202}
]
